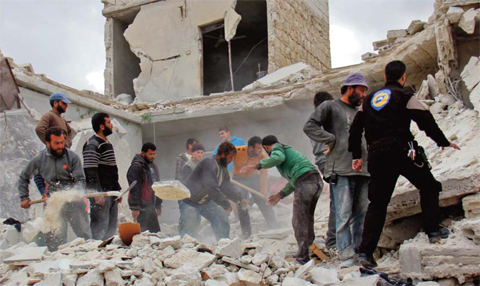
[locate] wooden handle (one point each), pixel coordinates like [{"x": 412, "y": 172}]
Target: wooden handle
[
  {"x": 37, "y": 201},
  {"x": 252, "y": 191},
  {"x": 92, "y": 195}
]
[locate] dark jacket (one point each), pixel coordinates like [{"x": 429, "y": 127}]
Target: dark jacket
[
  {"x": 385, "y": 116},
  {"x": 100, "y": 165},
  {"x": 58, "y": 173},
  {"x": 204, "y": 185},
  {"x": 141, "y": 195}
]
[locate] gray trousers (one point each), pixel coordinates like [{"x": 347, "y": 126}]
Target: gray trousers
[
  {"x": 307, "y": 193},
  {"x": 103, "y": 219},
  {"x": 243, "y": 215},
  {"x": 75, "y": 214}
]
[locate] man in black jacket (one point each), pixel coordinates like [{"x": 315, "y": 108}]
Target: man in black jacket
[
  {"x": 145, "y": 206},
  {"x": 102, "y": 176},
  {"x": 385, "y": 115},
  {"x": 210, "y": 190}
]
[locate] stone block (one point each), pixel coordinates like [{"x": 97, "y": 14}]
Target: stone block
[
  {"x": 43, "y": 268},
  {"x": 471, "y": 206},
  {"x": 379, "y": 44},
  {"x": 281, "y": 233},
  {"x": 70, "y": 279},
  {"x": 232, "y": 279},
  {"x": 471, "y": 72},
  {"x": 92, "y": 278},
  {"x": 393, "y": 34},
  {"x": 277, "y": 261},
  {"x": 323, "y": 276},
  {"x": 415, "y": 27},
  {"x": 454, "y": 14},
  {"x": 52, "y": 280},
  {"x": 259, "y": 258},
  {"x": 197, "y": 259},
  {"x": 249, "y": 277},
  {"x": 429, "y": 283},
  {"x": 304, "y": 269},
  {"x": 467, "y": 21},
  {"x": 410, "y": 259},
  {"x": 26, "y": 255},
  {"x": 212, "y": 282},
  {"x": 231, "y": 248},
  {"x": 272, "y": 279}
]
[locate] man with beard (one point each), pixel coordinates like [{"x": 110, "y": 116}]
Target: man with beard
[
  {"x": 62, "y": 170},
  {"x": 257, "y": 180},
  {"x": 303, "y": 179},
  {"x": 145, "y": 206},
  {"x": 385, "y": 117},
  {"x": 102, "y": 176},
  {"x": 59, "y": 103},
  {"x": 329, "y": 124},
  {"x": 210, "y": 190}
]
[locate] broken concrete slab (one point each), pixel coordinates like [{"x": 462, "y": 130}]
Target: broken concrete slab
[
  {"x": 197, "y": 259},
  {"x": 280, "y": 233},
  {"x": 467, "y": 22},
  {"x": 394, "y": 34},
  {"x": 470, "y": 73},
  {"x": 429, "y": 283},
  {"x": 304, "y": 269},
  {"x": 415, "y": 27},
  {"x": 454, "y": 14},
  {"x": 324, "y": 276},
  {"x": 171, "y": 190},
  {"x": 249, "y": 277},
  {"x": 52, "y": 280},
  {"x": 27, "y": 255},
  {"x": 280, "y": 76},
  {"x": 379, "y": 44},
  {"x": 231, "y": 248},
  {"x": 93, "y": 277}
]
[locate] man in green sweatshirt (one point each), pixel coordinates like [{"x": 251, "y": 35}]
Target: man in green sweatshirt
[{"x": 303, "y": 179}]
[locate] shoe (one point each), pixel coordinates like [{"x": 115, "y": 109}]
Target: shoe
[
  {"x": 367, "y": 261},
  {"x": 436, "y": 236}
]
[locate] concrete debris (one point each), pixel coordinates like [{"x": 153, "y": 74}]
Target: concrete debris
[
  {"x": 291, "y": 281},
  {"x": 230, "y": 248},
  {"x": 26, "y": 255},
  {"x": 415, "y": 27},
  {"x": 470, "y": 73},
  {"x": 249, "y": 277},
  {"x": 394, "y": 34},
  {"x": 369, "y": 56},
  {"x": 363, "y": 281},
  {"x": 471, "y": 229},
  {"x": 197, "y": 259},
  {"x": 471, "y": 206},
  {"x": 324, "y": 276},
  {"x": 52, "y": 280},
  {"x": 467, "y": 22},
  {"x": 281, "y": 233},
  {"x": 284, "y": 75},
  {"x": 302, "y": 271},
  {"x": 454, "y": 14}
]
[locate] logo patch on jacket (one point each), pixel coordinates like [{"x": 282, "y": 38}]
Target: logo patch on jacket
[{"x": 380, "y": 99}]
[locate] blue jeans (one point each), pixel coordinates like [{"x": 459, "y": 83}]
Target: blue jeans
[
  {"x": 350, "y": 196},
  {"x": 190, "y": 219}
]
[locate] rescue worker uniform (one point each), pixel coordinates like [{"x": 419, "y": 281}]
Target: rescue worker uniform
[{"x": 385, "y": 116}]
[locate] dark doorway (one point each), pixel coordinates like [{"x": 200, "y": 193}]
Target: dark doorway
[{"x": 249, "y": 49}]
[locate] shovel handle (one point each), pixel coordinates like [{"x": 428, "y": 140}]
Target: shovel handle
[
  {"x": 37, "y": 201},
  {"x": 92, "y": 195}
]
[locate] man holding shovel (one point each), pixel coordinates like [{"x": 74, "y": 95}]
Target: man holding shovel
[
  {"x": 61, "y": 169},
  {"x": 303, "y": 179},
  {"x": 255, "y": 179},
  {"x": 102, "y": 176},
  {"x": 145, "y": 206}
]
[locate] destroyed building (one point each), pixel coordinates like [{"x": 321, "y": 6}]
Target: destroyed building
[
  {"x": 443, "y": 65},
  {"x": 169, "y": 50}
]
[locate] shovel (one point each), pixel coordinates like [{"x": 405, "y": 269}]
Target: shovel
[{"x": 92, "y": 195}]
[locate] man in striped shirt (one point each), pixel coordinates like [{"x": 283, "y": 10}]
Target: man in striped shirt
[{"x": 102, "y": 176}]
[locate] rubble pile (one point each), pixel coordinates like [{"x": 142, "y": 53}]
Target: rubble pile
[{"x": 155, "y": 259}]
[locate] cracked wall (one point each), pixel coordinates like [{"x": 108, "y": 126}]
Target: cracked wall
[{"x": 166, "y": 37}]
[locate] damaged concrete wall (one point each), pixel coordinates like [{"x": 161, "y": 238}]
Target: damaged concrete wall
[
  {"x": 175, "y": 70},
  {"x": 304, "y": 38}
]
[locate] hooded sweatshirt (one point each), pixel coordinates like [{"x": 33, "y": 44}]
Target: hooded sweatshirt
[
  {"x": 142, "y": 196},
  {"x": 290, "y": 164}
]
